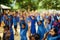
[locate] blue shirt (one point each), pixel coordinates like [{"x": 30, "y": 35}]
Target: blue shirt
[
  {"x": 14, "y": 20},
  {"x": 23, "y": 33},
  {"x": 33, "y": 28},
  {"x": 53, "y": 37},
  {"x": 11, "y": 34},
  {"x": 41, "y": 31},
  {"x": 38, "y": 18},
  {"x": 49, "y": 27},
  {"x": 0, "y": 18}
]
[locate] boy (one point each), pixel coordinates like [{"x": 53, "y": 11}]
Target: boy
[
  {"x": 52, "y": 35},
  {"x": 10, "y": 28},
  {"x": 15, "y": 23}
]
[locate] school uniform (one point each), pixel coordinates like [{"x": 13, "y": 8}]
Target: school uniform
[
  {"x": 0, "y": 19},
  {"x": 28, "y": 19},
  {"x": 15, "y": 22},
  {"x": 11, "y": 16},
  {"x": 6, "y": 23},
  {"x": 38, "y": 18},
  {"x": 21, "y": 22},
  {"x": 11, "y": 34},
  {"x": 57, "y": 37},
  {"x": 33, "y": 27},
  {"x": 48, "y": 27},
  {"x": 3, "y": 18},
  {"x": 55, "y": 17},
  {"x": 41, "y": 31},
  {"x": 23, "y": 33},
  {"x": 10, "y": 28},
  {"x": 17, "y": 18}
]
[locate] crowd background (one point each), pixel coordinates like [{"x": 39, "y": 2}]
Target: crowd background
[
  {"x": 36, "y": 25},
  {"x": 33, "y": 24}
]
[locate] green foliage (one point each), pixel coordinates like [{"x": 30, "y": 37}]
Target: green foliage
[
  {"x": 48, "y": 4},
  {"x": 5, "y": 2},
  {"x": 33, "y": 4},
  {"x": 28, "y": 4},
  {"x": 58, "y": 4}
]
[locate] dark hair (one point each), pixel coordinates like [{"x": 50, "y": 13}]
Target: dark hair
[
  {"x": 39, "y": 21},
  {"x": 24, "y": 25},
  {"x": 56, "y": 20},
  {"x": 55, "y": 30},
  {"x": 31, "y": 36},
  {"x": 36, "y": 36},
  {"x": 6, "y": 26}
]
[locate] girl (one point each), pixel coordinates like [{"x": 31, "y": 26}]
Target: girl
[
  {"x": 48, "y": 25},
  {"x": 33, "y": 28},
  {"x": 41, "y": 29},
  {"x": 23, "y": 31}
]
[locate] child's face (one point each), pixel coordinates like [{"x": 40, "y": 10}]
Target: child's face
[
  {"x": 32, "y": 17},
  {"x": 47, "y": 21},
  {"x": 21, "y": 18},
  {"x": 23, "y": 26},
  {"x": 52, "y": 32},
  {"x": 32, "y": 38},
  {"x": 39, "y": 23}
]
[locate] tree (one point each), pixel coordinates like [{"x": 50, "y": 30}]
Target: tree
[
  {"x": 58, "y": 4},
  {"x": 48, "y": 4},
  {"x": 33, "y": 4},
  {"x": 5, "y": 2},
  {"x": 28, "y": 4}
]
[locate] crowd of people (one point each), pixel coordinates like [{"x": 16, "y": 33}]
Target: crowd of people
[{"x": 39, "y": 26}]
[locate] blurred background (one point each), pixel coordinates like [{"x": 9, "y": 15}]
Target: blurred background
[{"x": 31, "y": 4}]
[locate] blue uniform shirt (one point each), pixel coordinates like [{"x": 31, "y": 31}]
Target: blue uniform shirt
[
  {"x": 41, "y": 31},
  {"x": 33, "y": 28},
  {"x": 38, "y": 18},
  {"x": 23, "y": 33},
  {"x": 49, "y": 27},
  {"x": 14, "y": 20},
  {"x": 53, "y": 37}
]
